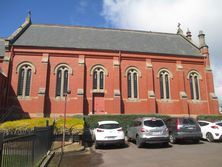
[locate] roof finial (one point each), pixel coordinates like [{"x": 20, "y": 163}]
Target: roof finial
[
  {"x": 30, "y": 13},
  {"x": 188, "y": 34},
  {"x": 28, "y": 18},
  {"x": 179, "y": 30}
]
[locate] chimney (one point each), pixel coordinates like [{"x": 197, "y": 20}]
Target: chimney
[
  {"x": 202, "y": 42},
  {"x": 189, "y": 34}
]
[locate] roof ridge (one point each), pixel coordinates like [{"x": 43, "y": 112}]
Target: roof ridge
[{"x": 104, "y": 28}]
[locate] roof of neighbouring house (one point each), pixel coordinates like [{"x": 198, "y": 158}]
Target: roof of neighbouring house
[
  {"x": 2, "y": 47},
  {"x": 58, "y": 36}
]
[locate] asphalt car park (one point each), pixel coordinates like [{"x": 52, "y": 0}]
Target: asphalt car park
[{"x": 183, "y": 154}]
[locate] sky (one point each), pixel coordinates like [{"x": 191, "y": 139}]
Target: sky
[{"x": 147, "y": 15}]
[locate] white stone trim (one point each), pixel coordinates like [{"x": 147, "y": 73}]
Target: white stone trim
[
  {"x": 151, "y": 94},
  {"x": 66, "y": 67},
  {"x": 195, "y": 74},
  {"x": 98, "y": 66},
  {"x": 169, "y": 75},
  {"x": 133, "y": 71},
  {"x": 213, "y": 96},
  {"x": 132, "y": 68},
  {"x": 70, "y": 71},
  {"x": 164, "y": 69},
  {"x": 194, "y": 71},
  {"x": 26, "y": 63},
  {"x": 98, "y": 69}
]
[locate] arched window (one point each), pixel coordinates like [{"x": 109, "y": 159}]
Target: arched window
[
  {"x": 24, "y": 79},
  {"x": 98, "y": 79},
  {"x": 62, "y": 79},
  {"x": 164, "y": 76},
  {"x": 194, "y": 85},
  {"x": 132, "y": 83}
]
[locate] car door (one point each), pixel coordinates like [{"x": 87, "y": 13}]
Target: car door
[{"x": 204, "y": 126}]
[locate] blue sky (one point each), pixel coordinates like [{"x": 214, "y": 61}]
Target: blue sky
[
  {"x": 147, "y": 15},
  {"x": 68, "y": 12}
]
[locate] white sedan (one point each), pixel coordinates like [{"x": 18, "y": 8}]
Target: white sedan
[
  {"x": 211, "y": 130},
  {"x": 108, "y": 132}
]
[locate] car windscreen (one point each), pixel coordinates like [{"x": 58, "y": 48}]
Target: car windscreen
[
  {"x": 109, "y": 126},
  {"x": 154, "y": 123},
  {"x": 188, "y": 121}
]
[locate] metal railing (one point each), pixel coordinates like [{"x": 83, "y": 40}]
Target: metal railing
[{"x": 26, "y": 150}]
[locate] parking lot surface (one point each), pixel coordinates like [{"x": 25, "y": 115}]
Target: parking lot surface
[{"x": 178, "y": 155}]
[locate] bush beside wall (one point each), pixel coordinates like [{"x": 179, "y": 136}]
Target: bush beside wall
[{"x": 210, "y": 118}]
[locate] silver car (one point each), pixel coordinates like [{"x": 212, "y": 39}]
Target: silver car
[{"x": 148, "y": 130}]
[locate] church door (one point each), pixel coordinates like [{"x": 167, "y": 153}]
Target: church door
[{"x": 99, "y": 104}]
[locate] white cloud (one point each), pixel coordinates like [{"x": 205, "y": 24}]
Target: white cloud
[{"x": 164, "y": 15}]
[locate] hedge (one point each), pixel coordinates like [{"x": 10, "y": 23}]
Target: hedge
[
  {"x": 210, "y": 118},
  {"x": 124, "y": 120},
  {"x": 74, "y": 125}
]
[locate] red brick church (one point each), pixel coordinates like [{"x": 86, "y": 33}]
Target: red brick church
[{"x": 104, "y": 71}]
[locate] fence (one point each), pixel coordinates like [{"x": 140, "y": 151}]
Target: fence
[{"x": 25, "y": 150}]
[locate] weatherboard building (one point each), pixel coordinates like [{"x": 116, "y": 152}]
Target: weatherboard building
[{"x": 108, "y": 71}]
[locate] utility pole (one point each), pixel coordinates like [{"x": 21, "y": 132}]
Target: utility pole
[{"x": 64, "y": 121}]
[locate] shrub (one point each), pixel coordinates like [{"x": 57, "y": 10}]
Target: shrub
[
  {"x": 124, "y": 120},
  {"x": 73, "y": 125},
  {"x": 25, "y": 125},
  {"x": 210, "y": 118}
]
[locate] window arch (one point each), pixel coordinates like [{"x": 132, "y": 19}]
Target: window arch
[
  {"x": 62, "y": 79},
  {"x": 132, "y": 83},
  {"x": 98, "y": 78},
  {"x": 194, "y": 78},
  {"x": 164, "y": 77},
  {"x": 24, "y": 71}
]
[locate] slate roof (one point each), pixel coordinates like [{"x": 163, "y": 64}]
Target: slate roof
[
  {"x": 2, "y": 48},
  {"x": 106, "y": 39}
]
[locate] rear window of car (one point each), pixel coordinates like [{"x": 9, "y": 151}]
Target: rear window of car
[
  {"x": 188, "y": 121},
  {"x": 153, "y": 123},
  {"x": 203, "y": 123},
  {"x": 219, "y": 124},
  {"x": 109, "y": 126}
]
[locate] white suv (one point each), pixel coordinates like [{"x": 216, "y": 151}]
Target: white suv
[
  {"x": 211, "y": 130},
  {"x": 108, "y": 132}
]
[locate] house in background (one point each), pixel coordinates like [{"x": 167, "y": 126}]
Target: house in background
[{"x": 108, "y": 71}]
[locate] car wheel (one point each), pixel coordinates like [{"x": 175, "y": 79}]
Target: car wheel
[
  {"x": 172, "y": 139},
  {"x": 166, "y": 144},
  {"x": 128, "y": 139},
  {"x": 209, "y": 137},
  {"x": 122, "y": 144},
  {"x": 138, "y": 142},
  {"x": 196, "y": 141},
  {"x": 96, "y": 145}
]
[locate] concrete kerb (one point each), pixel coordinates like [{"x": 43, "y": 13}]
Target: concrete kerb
[{"x": 74, "y": 148}]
